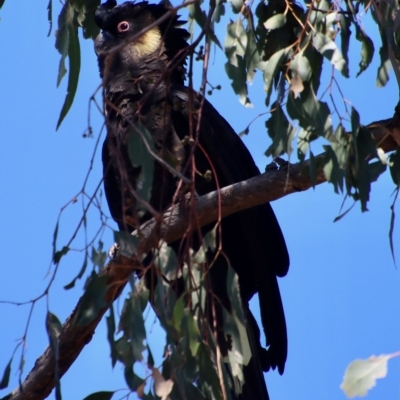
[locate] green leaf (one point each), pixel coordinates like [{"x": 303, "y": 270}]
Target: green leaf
[
  {"x": 355, "y": 121},
  {"x": 376, "y": 169},
  {"x": 281, "y": 131},
  {"x": 127, "y": 243},
  {"x": 313, "y": 170},
  {"x": 7, "y": 371},
  {"x": 345, "y": 33},
  {"x": 367, "y": 49},
  {"x": 340, "y": 216},
  {"x": 235, "y": 49},
  {"x": 133, "y": 381},
  {"x": 167, "y": 261},
  {"x": 383, "y": 74},
  {"x": 123, "y": 350},
  {"x": 300, "y": 66},
  {"x": 59, "y": 254},
  {"x": 252, "y": 56},
  {"x": 275, "y": 22},
  {"x": 391, "y": 228},
  {"x": 192, "y": 392},
  {"x": 333, "y": 173},
  {"x": 110, "y": 320},
  {"x": 150, "y": 359},
  {"x": 210, "y": 239},
  {"x": 316, "y": 60},
  {"x": 92, "y": 301},
  {"x": 219, "y": 10},
  {"x": 89, "y": 26},
  {"x": 178, "y": 313},
  {"x": 62, "y": 41},
  {"x": 138, "y": 143},
  {"x": 200, "y": 17},
  {"x": 132, "y": 322},
  {"x": 100, "y": 396},
  {"x": 364, "y": 147},
  {"x": 164, "y": 304},
  {"x": 395, "y": 167},
  {"x": 238, "y": 75},
  {"x": 80, "y": 274},
  {"x": 235, "y": 353},
  {"x": 236, "y": 6},
  {"x": 192, "y": 334},
  {"x": 313, "y": 115},
  {"x": 54, "y": 328},
  {"x": 303, "y": 143},
  {"x": 55, "y": 235},
  {"x": 232, "y": 284},
  {"x": 328, "y": 48},
  {"x": 319, "y": 13},
  {"x": 235, "y": 41},
  {"x": 271, "y": 68},
  {"x": 74, "y": 56},
  {"x": 98, "y": 256},
  {"x": 207, "y": 371},
  {"x": 49, "y": 15}
]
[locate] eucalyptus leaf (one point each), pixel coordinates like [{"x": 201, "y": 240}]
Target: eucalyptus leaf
[
  {"x": 6, "y": 375},
  {"x": 333, "y": 172},
  {"x": 54, "y": 328},
  {"x": 281, "y": 131},
  {"x": 367, "y": 49},
  {"x": 328, "y": 48},
  {"x": 80, "y": 273},
  {"x": 271, "y": 69},
  {"x": 103, "y": 395},
  {"x": 300, "y": 66},
  {"x": 110, "y": 320},
  {"x": 127, "y": 244},
  {"x": 395, "y": 167},
  {"x": 199, "y": 15},
  {"x": 132, "y": 322},
  {"x": 92, "y": 301},
  {"x": 345, "y": 32},
  {"x": 207, "y": 371},
  {"x": 384, "y": 68},
  {"x": 74, "y": 57},
  {"x": 167, "y": 261},
  {"x": 275, "y": 22},
  {"x": 133, "y": 381},
  {"x": 59, "y": 254}
]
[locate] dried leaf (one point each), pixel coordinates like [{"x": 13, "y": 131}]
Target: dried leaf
[
  {"x": 162, "y": 387},
  {"x": 361, "y": 375},
  {"x": 296, "y": 85}
]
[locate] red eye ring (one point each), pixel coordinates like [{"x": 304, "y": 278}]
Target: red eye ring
[{"x": 123, "y": 26}]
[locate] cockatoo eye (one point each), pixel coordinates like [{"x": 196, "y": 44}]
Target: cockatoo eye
[{"x": 123, "y": 26}]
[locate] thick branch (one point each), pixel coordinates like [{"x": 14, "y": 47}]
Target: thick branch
[{"x": 267, "y": 187}]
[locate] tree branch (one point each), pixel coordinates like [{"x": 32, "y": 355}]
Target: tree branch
[{"x": 270, "y": 186}]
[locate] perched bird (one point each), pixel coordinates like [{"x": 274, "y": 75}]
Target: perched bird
[{"x": 141, "y": 51}]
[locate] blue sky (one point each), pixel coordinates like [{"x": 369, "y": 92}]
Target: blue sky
[{"x": 342, "y": 293}]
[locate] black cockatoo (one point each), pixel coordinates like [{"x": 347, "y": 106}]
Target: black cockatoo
[{"x": 142, "y": 64}]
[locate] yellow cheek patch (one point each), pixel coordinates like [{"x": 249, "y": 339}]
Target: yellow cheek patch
[{"x": 149, "y": 42}]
